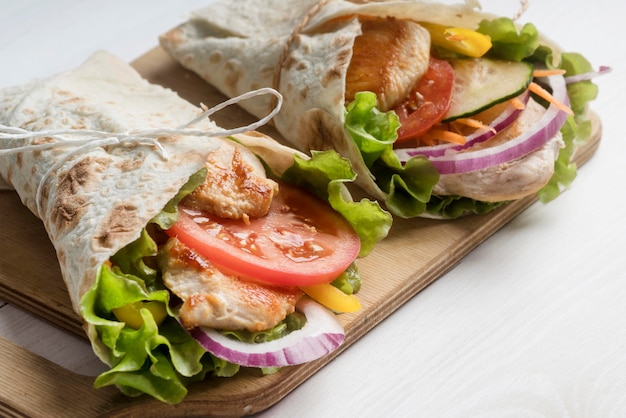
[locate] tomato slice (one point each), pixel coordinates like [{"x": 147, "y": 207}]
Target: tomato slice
[
  {"x": 300, "y": 242},
  {"x": 429, "y": 101}
]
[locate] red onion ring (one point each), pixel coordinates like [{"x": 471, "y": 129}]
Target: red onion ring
[
  {"x": 506, "y": 118},
  {"x": 538, "y": 135},
  {"x": 588, "y": 76},
  {"x": 321, "y": 335}
]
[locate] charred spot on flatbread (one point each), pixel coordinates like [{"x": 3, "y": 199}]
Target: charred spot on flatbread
[
  {"x": 318, "y": 127},
  {"x": 62, "y": 256},
  {"x": 334, "y": 73},
  {"x": 341, "y": 61},
  {"x": 19, "y": 160},
  {"x": 234, "y": 73},
  {"x": 9, "y": 175},
  {"x": 131, "y": 164},
  {"x": 67, "y": 213},
  {"x": 81, "y": 175},
  {"x": 122, "y": 221},
  {"x": 40, "y": 141},
  {"x": 68, "y": 207}
]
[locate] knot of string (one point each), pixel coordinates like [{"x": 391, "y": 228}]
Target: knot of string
[{"x": 150, "y": 136}]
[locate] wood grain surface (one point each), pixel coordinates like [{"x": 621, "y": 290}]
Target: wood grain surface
[{"x": 416, "y": 253}]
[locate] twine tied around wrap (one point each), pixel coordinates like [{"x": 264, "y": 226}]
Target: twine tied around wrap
[{"x": 150, "y": 136}]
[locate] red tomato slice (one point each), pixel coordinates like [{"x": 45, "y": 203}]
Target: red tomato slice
[
  {"x": 300, "y": 242},
  {"x": 429, "y": 102}
]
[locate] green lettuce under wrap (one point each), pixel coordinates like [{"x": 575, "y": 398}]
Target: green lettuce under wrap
[
  {"x": 409, "y": 186},
  {"x": 162, "y": 360}
]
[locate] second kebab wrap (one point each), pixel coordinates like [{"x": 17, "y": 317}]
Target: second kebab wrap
[{"x": 442, "y": 109}]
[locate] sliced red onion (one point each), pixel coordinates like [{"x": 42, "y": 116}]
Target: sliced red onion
[
  {"x": 506, "y": 118},
  {"x": 588, "y": 75},
  {"x": 321, "y": 335},
  {"x": 535, "y": 137}
]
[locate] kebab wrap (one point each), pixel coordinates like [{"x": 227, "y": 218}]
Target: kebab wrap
[
  {"x": 423, "y": 98},
  {"x": 111, "y": 164}
]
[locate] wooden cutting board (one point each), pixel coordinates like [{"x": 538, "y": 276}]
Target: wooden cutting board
[{"x": 416, "y": 253}]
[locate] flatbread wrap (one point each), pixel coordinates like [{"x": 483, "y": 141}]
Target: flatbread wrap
[
  {"x": 132, "y": 182},
  {"x": 442, "y": 109}
]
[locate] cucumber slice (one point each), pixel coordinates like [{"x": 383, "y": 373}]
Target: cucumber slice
[{"x": 481, "y": 83}]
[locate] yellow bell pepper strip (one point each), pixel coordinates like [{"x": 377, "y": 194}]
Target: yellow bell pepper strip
[
  {"x": 131, "y": 313},
  {"x": 461, "y": 40},
  {"x": 332, "y": 298}
]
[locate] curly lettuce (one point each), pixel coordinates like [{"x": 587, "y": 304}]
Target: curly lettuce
[{"x": 408, "y": 186}]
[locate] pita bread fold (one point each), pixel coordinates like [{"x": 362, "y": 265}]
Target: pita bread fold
[
  {"x": 97, "y": 201},
  {"x": 238, "y": 51}
]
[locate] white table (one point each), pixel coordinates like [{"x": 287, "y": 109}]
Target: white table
[{"x": 531, "y": 323}]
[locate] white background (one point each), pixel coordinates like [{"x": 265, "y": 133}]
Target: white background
[{"x": 532, "y": 323}]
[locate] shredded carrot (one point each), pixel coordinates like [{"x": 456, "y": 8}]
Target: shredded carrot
[
  {"x": 455, "y": 127},
  {"x": 428, "y": 140},
  {"x": 474, "y": 123},
  {"x": 547, "y": 73},
  {"x": 517, "y": 103},
  {"x": 544, "y": 94},
  {"x": 431, "y": 137}
]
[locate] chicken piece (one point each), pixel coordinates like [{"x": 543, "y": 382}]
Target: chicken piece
[
  {"x": 236, "y": 186},
  {"x": 217, "y": 300},
  {"x": 388, "y": 58},
  {"x": 512, "y": 180}
]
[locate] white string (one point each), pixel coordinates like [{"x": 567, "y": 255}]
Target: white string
[
  {"x": 523, "y": 8},
  {"x": 150, "y": 136}
]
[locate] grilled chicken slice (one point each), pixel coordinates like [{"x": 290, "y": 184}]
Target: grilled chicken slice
[
  {"x": 388, "y": 58},
  {"x": 236, "y": 186},
  {"x": 217, "y": 300},
  {"x": 511, "y": 180}
]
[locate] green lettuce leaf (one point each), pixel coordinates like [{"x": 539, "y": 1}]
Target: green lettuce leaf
[
  {"x": 139, "y": 359},
  {"x": 507, "y": 42},
  {"x": 373, "y": 131},
  {"x": 168, "y": 216},
  {"x": 408, "y": 186},
  {"x": 564, "y": 169},
  {"x": 582, "y": 92},
  {"x": 450, "y": 207},
  {"x": 350, "y": 280}
]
